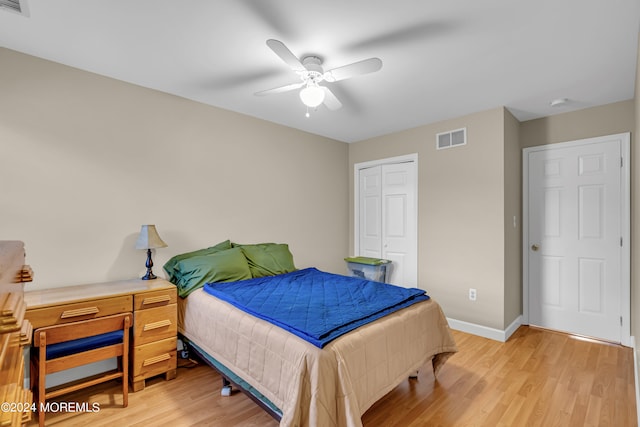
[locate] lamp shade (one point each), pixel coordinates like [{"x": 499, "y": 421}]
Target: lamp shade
[
  {"x": 149, "y": 238},
  {"x": 312, "y": 95}
]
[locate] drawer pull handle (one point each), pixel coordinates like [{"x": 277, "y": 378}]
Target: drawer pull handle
[
  {"x": 152, "y": 360},
  {"x": 79, "y": 312},
  {"x": 156, "y": 300},
  {"x": 156, "y": 325}
]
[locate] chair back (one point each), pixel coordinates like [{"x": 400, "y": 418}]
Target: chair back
[{"x": 69, "y": 345}]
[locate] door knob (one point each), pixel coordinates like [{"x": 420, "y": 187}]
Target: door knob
[{"x": 534, "y": 247}]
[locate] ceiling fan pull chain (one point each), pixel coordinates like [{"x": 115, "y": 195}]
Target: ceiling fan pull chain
[{"x": 307, "y": 114}]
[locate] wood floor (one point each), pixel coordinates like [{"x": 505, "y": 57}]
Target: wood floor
[{"x": 537, "y": 378}]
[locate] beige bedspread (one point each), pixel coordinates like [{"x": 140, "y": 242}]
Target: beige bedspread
[{"x": 333, "y": 386}]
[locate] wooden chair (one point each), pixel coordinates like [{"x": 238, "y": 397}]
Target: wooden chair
[{"x": 69, "y": 345}]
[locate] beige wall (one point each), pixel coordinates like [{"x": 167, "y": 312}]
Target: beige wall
[
  {"x": 461, "y": 233},
  {"x": 85, "y": 160},
  {"x": 587, "y": 123},
  {"x": 512, "y": 220}
]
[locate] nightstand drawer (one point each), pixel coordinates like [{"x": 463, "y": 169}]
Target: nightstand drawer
[
  {"x": 66, "y": 313},
  {"x": 154, "y": 359},
  {"x": 154, "y": 324},
  {"x": 155, "y": 299}
]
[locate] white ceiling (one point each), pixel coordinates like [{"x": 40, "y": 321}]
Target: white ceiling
[{"x": 442, "y": 58}]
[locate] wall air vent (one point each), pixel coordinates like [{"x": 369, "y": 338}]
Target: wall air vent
[
  {"x": 17, "y": 6},
  {"x": 453, "y": 138}
]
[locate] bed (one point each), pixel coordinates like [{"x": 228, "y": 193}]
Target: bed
[{"x": 300, "y": 383}]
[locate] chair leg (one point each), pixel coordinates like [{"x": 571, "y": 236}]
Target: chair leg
[
  {"x": 41, "y": 405},
  {"x": 41, "y": 402},
  {"x": 125, "y": 382},
  {"x": 42, "y": 377},
  {"x": 125, "y": 364}
]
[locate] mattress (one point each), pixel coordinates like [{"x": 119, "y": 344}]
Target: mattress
[
  {"x": 315, "y": 305},
  {"x": 332, "y": 386}
]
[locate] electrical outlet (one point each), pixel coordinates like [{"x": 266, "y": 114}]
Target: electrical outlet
[{"x": 472, "y": 294}]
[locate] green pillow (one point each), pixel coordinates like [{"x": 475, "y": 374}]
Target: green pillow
[
  {"x": 170, "y": 267},
  {"x": 268, "y": 259},
  {"x": 223, "y": 266}
]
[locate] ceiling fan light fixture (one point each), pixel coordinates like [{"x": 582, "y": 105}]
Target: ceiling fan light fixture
[{"x": 312, "y": 95}]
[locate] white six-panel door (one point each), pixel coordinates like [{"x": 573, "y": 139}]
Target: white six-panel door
[
  {"x": 387, "y": 218},
  {"x": 573, "y": 245}
]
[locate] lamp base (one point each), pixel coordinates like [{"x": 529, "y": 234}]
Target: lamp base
[
  {"x": 149, "y": 264},
  {"x": 149, "y": 275}
]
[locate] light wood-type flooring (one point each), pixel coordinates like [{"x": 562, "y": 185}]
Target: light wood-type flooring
[{"x": 537, "y": 378}]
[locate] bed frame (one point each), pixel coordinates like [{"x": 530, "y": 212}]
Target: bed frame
[
  {"x": 231, "y": 380},
  {"x": 289, "y": 400}
]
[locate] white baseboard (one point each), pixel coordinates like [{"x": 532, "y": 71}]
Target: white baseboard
[
  {"x": 635, "y": 375},
  {"x": 484, "y": 331}
]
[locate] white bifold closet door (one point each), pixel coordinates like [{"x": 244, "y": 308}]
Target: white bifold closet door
[{"x": 387, "y": 219}]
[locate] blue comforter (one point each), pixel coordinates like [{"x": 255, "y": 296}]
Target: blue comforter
[{"x": 315, "y": 305}]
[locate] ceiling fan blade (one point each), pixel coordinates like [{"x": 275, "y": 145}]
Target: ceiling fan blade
[
  {"x": 285, "y": 54},
  {"x": 280, "y": 89},
  {"x": 357, "y": 68},
  {"x": 330, "y": 100},
  {"x": 273, "y": 15},
  {"x": 410, "y": 34}
]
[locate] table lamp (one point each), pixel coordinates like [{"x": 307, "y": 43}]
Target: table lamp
[{"x": 149, "y": 239}]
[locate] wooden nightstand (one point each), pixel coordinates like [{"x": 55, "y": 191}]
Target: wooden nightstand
[{"x": 154, "y": 308}]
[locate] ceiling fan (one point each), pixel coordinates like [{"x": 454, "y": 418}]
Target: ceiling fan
[{"x": 310, "y": 71}]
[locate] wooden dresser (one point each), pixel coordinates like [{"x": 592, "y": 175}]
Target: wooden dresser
[
  {"x": 154, "y": 308},
  {"x": 15, "y": 333}
]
